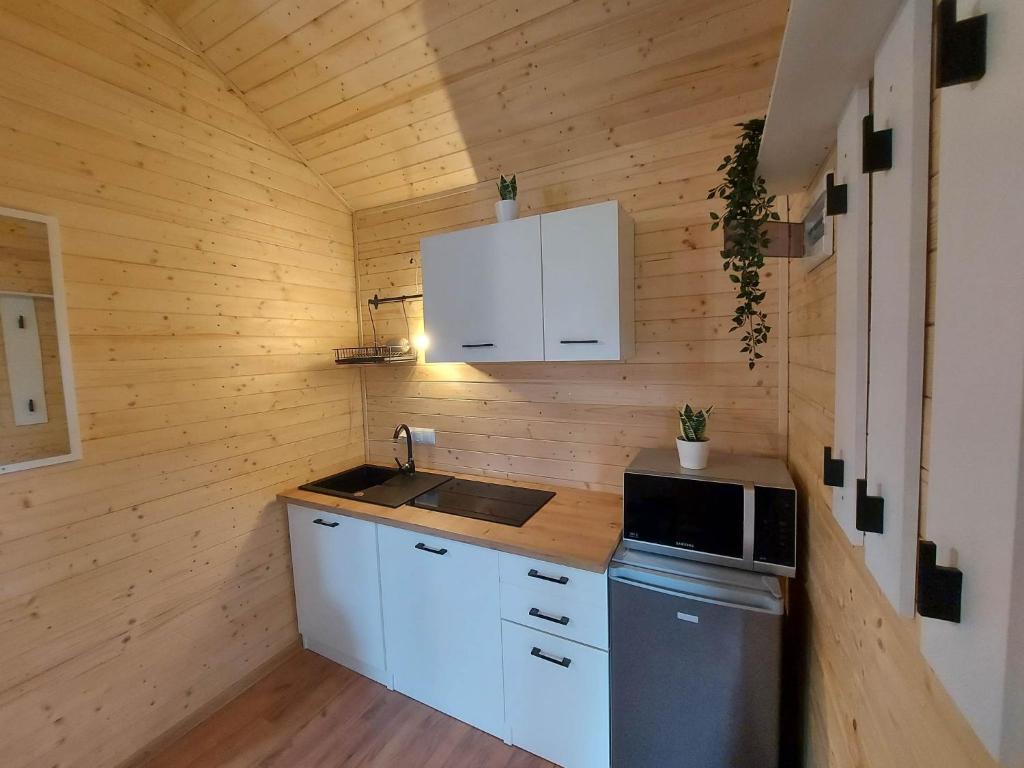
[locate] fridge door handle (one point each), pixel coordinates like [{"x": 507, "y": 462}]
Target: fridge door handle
[{"x": 773, "y": 608}]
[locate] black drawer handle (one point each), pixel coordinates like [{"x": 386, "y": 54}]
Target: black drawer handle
[
  {"x": 535, "y": 574},
  {"x": 565, "y": 661},
  {"x": 424, "y": 548},
  {"x": 579, "y": 341},
  {"x": 324, "y": 523},
  {"x": 563, "y": 620},
  {"x": 474, "y": 346}
]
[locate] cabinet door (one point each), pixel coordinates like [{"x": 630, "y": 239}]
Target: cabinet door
[
  {"x": 588, "y": 283},
  {"x": 556, "y": 697},
  {"x": 482, "y": 293},
  {"x": 442, "y": 625},
  {"x": 337, "y": 588}
]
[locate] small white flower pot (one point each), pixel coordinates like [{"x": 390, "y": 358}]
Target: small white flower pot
[
  {"x": 506, "y": 210},
  {"x": 693, "y": 455}
]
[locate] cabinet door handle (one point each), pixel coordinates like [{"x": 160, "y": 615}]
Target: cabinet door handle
[
  {"x": 563, "y": 620},
  {"x": 579, "y": 341},
  {"x": 565, "y": 661},
  {"x": 475, "y": 346},
  {"x": 324, "y": 523},
  {"x": 424, "y": 548},
  {"x": 535, "y": 574}
]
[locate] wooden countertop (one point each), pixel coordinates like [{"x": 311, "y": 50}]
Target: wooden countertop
[{"x": 576, "y": 528}]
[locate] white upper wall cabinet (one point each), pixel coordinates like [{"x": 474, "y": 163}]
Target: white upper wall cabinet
[
  {"x": 587, "y": 254},
  {"x": 482, "y": 294},
  {"x": 558, "y": 286}
]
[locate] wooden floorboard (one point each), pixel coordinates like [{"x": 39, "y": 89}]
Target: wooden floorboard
[{"x": 313, "y": 713}]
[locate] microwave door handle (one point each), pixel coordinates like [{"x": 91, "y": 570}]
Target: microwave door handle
[{"x": 748, "y": 524}]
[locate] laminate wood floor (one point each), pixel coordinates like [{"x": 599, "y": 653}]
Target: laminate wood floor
[{"x": 312, "y": 713}]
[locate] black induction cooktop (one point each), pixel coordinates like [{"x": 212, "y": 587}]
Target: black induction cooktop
[{"x": 494, "y": 503}]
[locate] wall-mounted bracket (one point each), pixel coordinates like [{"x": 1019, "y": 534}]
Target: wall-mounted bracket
[
  {"x": 835, "y": 196},
  {"x": 832, "y": 469},
  {"x": 870, "y": 510},
  {"x": 939, "y": 587},
  {"x": 877, "y": 147},
  {"x": 960, "y": 46},
  {"x": 376, "y": 301},
  {"x": 786, "y": 239}
]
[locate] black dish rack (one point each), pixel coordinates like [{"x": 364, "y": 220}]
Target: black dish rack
[{"x": 369, "y": 354}]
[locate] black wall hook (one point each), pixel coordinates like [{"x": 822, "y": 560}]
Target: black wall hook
[
  {"x": 870, "y": 510},
  {"x": 877, "y": 147},
  {"x": 960, "y": 46},
  {"x": 835, "y": 196},
  {"x": 939, "y": 587},
  {"x": 832, "y": 469}
]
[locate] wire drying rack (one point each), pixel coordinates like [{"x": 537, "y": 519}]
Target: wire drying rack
[{"x": 375, "y": 353}]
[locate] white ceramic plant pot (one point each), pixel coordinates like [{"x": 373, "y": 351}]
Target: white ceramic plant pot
[
  {"x": 693, "y": 455},
  {"x": 506, "y": 210}
]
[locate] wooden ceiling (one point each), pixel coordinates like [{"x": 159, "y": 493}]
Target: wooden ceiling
[{"x": 391, "y": 100}]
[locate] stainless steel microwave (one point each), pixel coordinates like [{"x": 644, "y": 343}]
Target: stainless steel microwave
[{"x": 740, "y": 511}]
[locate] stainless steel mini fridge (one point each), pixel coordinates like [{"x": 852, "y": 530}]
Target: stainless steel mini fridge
[{"x": 695, "y": 663}]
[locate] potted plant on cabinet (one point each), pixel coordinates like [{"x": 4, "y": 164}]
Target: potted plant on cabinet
[
  {"x": 507, "y": 208},
  {"x": 693, "y": 444}
]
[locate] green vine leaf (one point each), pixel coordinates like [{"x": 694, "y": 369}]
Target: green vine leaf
[{"x": 748, "y": 208}]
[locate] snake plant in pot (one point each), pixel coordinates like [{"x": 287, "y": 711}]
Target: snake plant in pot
[
  {"x": 507, "y": 208},
  {"x": 693, "y": 444}
]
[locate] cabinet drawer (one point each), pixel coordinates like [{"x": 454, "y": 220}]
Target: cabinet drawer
[
  {"x": 556, "y": 697},
  {"x": 565, "y": 614},
  {"x": 553, "y": 579}
]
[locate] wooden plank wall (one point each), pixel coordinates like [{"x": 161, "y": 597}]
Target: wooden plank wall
[
  {"x": 581, "y": 423},
  {"x": 869, "y": 697},
  {"x": 209, "y": 274}
]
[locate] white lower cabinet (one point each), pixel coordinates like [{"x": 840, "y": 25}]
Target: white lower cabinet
[
  {"x": 443, "y": 626},
  {"x": 556, "y": 697},
  {"x": 337, "y": 588},
  {"x": 425, "y": 615}
]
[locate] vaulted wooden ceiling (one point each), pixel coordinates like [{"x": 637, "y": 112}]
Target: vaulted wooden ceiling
[{"x": 395, "y": 99}]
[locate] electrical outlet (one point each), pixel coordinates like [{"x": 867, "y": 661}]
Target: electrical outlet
[{"x": 423, "y": 436}]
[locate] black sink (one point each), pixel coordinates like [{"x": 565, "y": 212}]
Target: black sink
[{"x": 374, "y": 484}]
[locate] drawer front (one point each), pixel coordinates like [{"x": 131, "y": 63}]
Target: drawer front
[
  {"x": 565, "y": 614},
  {"x": 556, "y": 697},
  {"x": 553, "y": 579}
]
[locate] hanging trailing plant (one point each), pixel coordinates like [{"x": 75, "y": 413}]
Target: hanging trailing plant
[{"x": 748, "y": 209}]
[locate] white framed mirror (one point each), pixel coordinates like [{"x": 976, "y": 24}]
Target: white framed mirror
[{"x": 38, "y": 417}]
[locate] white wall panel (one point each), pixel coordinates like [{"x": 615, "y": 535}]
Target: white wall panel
[
  {"x": 852, "y": 273},
  {"x": 975, "y": 494},
  {"x": 901, "y": 101}
]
